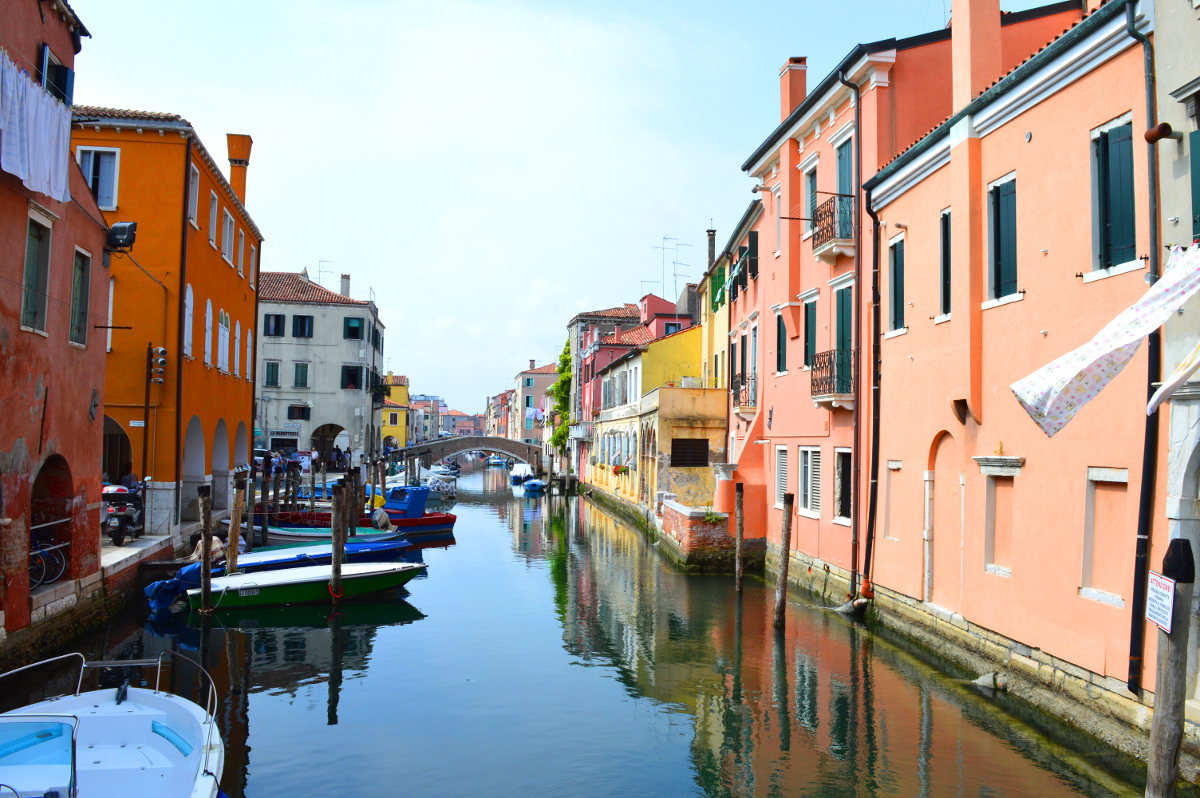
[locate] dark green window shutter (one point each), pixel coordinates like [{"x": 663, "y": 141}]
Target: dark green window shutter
[
  {"x": 780, "y": 344},
  {"x": 743, "y": 277},
  {"x": 845, "y": 340},
  {"x": 845, "y": 167},
  {"x": 810, "y": 332},
  {"x": 1194, "y": 152},
  {"x": 897, "y": 278},
  {"x": 742, "y": 358},
  {"x": 732, "y": 363},
  {"x": 946, "y": 263},
  {"x": 812, "y": 197},
  {"x": 752, "y": 253},
  {"x": 1116, "y": 195},
  {"x": 1004, "y": 239}
]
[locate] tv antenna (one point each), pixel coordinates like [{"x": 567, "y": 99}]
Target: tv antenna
[
  {"x": 677, "y": 274},
  {"x": 664, "y": 248},
  {"x": 321, "y": 262}
]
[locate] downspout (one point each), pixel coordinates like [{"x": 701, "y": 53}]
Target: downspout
[
  {"x": 876, "y": 376},
  {"x": 180, "y": 332},
  {"x": 1153, "y": 369},
  {"x": 253, "y": 364},
  {"x": 856, "y": 480}
]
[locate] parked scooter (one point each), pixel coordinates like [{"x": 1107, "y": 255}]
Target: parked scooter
[{"x": 123, "y": 512}]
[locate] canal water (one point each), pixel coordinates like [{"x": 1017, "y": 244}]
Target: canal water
[{"x": 552, "y": 651}]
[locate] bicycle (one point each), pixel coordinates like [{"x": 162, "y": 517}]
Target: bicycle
[{"x": 47, "y": 564}]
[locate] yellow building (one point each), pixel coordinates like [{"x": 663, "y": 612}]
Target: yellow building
[
  {"x": 393, "y": 418},
  {"x": 659, "y": 429}
]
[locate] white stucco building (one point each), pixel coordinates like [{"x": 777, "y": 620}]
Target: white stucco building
[{"x": 319, "y": 356}]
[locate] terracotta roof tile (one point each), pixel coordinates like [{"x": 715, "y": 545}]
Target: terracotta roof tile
[
  {"x": 549, "y": 368},
  {"x": 125, "y": 113},
  {"x": 635, "y": 336},
  {"x": 626, "y": 311},
  {"x": 392, "y": 403},
  {"x": 293, "y": 287},
  {"x": 393, "y": 379}
]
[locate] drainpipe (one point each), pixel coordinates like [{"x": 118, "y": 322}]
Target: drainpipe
[
  {"x": 253, "y": 364},
  {"x": 179, "y": 336},
  {"x": 876, "y": 375},
  {"x": 1153, "y": 368},
  {"x": 857, "y": 335}
]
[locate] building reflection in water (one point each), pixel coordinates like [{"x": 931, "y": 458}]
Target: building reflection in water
[{"x": 824, "y": 709}]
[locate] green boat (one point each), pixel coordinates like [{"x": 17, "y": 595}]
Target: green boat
[
  {"x": 370, "y": 612},
  {"x": 303, "y": 585}
]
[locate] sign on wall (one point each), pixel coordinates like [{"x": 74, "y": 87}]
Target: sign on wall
[{"x": 1160, "y": 599}]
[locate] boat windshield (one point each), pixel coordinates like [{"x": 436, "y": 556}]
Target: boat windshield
[{"x": 36, "y": 755}]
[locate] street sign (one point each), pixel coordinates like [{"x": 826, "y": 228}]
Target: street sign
[
  {"x": 138, "y": 423},
  {"x": 1160, "y": 599}
]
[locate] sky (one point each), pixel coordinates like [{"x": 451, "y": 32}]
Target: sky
[{"x": 482, "y": 169}]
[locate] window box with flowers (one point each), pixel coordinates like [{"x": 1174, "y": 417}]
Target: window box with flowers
[{"x": 620, "y": 469}]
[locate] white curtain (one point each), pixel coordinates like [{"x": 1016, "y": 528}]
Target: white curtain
[
  {"x": 237, "y": 349},
  {"x": 208, "y": 320},
  {"x": 188, "y": 321},
  {"x": 35, "y": 133}
]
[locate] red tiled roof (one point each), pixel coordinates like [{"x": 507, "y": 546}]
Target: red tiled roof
[
  {"x": 125, "y": 113},
  {"x": 395, "y": 379},
  {"x": 549, "y": 368},
  {"x": 635, "y": 336},
  {"x": 626, "y": 311},
  {"x": 391, "y": 403},
  {"x": 293, "y": 287}
]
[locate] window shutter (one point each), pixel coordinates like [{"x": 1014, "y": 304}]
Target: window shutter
[
  {"x": 743, "y": 277},
  {"x": 814, "y": 484},
  {"x": 1004, "y": 208},
  {"x": 810, "y": 332},
  {"x": 752, "y": 254},
  {"x": 780, "y": 344},
  {"x": 945, "y": 263},
  {"x": 743, "y": 359},
  {"x": 1118, "y": 152},
  {"x": 781, "y": 476},
  {"x": 845, "y": 168},
  {"x": 897, "y": 285}
]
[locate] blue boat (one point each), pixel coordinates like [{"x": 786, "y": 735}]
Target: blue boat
[
  {"x": 533, "y": 486},
  {"x": 162, "y": 593}
]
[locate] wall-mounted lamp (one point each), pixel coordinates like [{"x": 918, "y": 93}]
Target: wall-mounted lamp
[
  {"x": 758, "y": 188},
  {"x": 1162, "y": 130},
  {"x": 900, "y": 225}
]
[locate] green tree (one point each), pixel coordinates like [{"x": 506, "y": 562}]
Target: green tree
[{"x": 561, "y": 393}]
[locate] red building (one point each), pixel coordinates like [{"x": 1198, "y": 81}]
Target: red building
[{"x": 53, "y": 314}]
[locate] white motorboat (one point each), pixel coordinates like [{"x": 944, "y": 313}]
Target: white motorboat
[{"x": 115, "y": 742}]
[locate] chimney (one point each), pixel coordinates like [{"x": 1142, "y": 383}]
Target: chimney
[
  {"x": 239, "y": 145},
  {"x": 712, "y": 247},
  {"x": 793, "y": 85},
  {"x": 345, "y": 285},
  {"x": 975, "y": 48},
  {"x": 531, "y": 362}
]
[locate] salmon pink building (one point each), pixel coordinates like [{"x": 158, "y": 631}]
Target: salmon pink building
[
  {"x": 800, "y": 281},
  {"x": 1010, "y": 235}
]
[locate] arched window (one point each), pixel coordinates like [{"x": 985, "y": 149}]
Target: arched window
[
  {"x": 208, "y": 324},
  {"x": 223, "y": 340},
  {"x": 237, "y": 349},
  {"x": 188, "y": 320},
  {"x": 249, "y": 353}
]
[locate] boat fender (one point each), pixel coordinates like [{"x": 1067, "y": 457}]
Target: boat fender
[
  {"x": 122, "y": 692},
  {"x": 380, "y": 519},
  {"x": 992, "y": 681}
]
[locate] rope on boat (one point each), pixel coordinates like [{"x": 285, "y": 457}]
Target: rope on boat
[{"x": 335, "y": 595}]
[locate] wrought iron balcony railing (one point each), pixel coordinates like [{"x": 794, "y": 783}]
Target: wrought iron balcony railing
[
  {"x": 581, "y": 431},
  {"x": 833, "y": 377},
  {"x": 833, "y": 227},
  {"x": 744, "y": 388}
]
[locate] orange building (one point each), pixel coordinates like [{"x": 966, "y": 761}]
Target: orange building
[
  {"x": 51, "y": 352},
  {"x": 1010, "y": 235},
  {"x": 187, "y": 286}
]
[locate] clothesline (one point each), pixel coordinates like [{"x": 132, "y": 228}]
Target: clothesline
[{"x": 35, "y": 133}]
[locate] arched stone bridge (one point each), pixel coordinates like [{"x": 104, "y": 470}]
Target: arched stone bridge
[{"x": 432, "y": 451}]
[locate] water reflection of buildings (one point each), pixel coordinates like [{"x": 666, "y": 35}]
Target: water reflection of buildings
[{"x": 823, "y": 710}]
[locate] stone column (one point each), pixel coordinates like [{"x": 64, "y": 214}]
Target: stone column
[
  {"x": 159, "y": 500},
  {"x": 189, "y": 509},
  {"x": 723, "y": 492}
]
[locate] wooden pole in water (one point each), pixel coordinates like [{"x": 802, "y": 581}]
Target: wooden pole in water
[
  {"x": 739, "y": 519},
  {"x": 312, "y": 487},
  {"x": 205, "y": 498},
  {"x": 339, "y": 543},
  {"x": 264, "y": 506},
  {"x": 235, "y": 526},
  {"x": 1170, "y": 689},
  {"x": 785, "y": 555}
]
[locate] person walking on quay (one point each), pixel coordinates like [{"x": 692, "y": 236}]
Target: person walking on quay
[{"x": 335, "y": 459}]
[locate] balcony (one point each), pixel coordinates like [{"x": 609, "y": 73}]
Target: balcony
[
  {"x": 744, "y": 390},
  {"x": 833, "y": 228},
  {"x": 580, "y": 432},
  {"x": 833, "y": 378}
]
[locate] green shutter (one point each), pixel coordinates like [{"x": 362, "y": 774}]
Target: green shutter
[
  {"x": 812, "y": 198},
  {"x": 946, "y": 263},
  {"x": 780, "y": 344},
  {"x": 810, "y": 332},
  {"x": 897, "y": 278},
  {"x": 845, "y": 168},
  {"x": 1117, "y": 190},
  {"x": 1194, "y": 154},
  {"x": 1004, "y": 239},
  {"x": 752, "y": 253},
  {"x": 845, "y": 340}
]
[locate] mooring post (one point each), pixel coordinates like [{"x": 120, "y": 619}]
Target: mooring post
[
  {"x": 739, "y": 520},
  {"x": 785, "y": 555},
  {"x": 339, "y": 543},
  {"x": 1170, "y": 689},
  {"x": 312, "y": 487},
  {"x": 203, "y": 494},
  {"x": 235, "y": 526}
]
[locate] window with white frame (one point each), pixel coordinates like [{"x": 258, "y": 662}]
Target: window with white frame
[
  {"x": 212, "y": 218},
  {"x": 1112, "y": 194},
  {"x": 241, "y": 252},
  {"x": 253, "y": 264},
  {"x": 808, "y": 493},
  {"x": 249, "y": 354},
  {"x": 781, "y": 474},
  {"x": 227, "y": 236},
  {"x": 843, "y": 485},
  {"x": 100, "y": 166},
  {"x": 194, "y": 195},
  {"x": 34, "y": 287},
  {"x": 1002, "y": 237},
  {"x": 237, "y": 349},
  {"x": 189, "y": 302},
  {"x": 223, "y": 340},
  {"x": 208, "y": 331}
]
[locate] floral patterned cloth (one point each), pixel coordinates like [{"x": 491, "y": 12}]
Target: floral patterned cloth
[{"x": 1053, "y": 394}]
